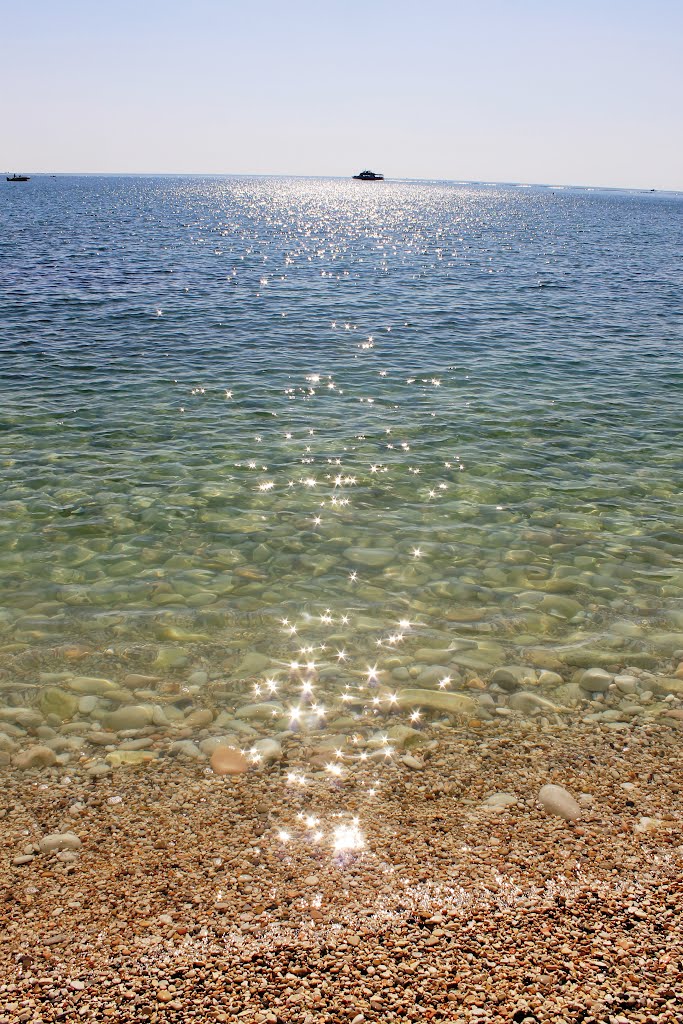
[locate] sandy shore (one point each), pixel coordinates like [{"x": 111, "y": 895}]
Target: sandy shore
[{"x": 397, "y": 894}]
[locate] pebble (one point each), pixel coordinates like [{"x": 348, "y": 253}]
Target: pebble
[
  {"x": 132, "y": 716},
  {"x": 268, "y": 749},
  {"x": 34, "y": 757},
  {"x": 260, "y": 712},
  {"x": 199, "y": 718},
  {"x": 59, "y": 841},
  {"x": 595, "y": 680},
  {"x": 228, "y": 761},
  {"x": 440, "y": 700},
  {"x": 500, "y": 800},
  {"x": 556, "y": 800},
  {"x": 528, "y": 703},
  {"x": 186, "y": 748}
]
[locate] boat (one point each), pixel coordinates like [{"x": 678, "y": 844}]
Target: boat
[
  {"x": 18, "y": 177},
  {"x": 368, "y": 176}
]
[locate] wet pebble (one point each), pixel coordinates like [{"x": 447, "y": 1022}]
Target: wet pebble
[{"x": 557, "y": 801}]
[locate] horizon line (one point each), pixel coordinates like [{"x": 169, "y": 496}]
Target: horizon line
[{"x": 340, "y": 177}]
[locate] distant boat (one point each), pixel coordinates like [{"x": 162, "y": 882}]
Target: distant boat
[
  {"x": 18, "y": 177},
  {"x": 368, "y": 176}
]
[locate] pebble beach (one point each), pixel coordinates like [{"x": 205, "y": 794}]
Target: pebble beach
[
  {"x": 461, "y": 890},
  {"x": 341, "y": 603}
]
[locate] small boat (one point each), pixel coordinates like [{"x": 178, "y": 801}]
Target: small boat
[
  {"x": 18, "y": 177},
  {"x": 368, "y": 176}
]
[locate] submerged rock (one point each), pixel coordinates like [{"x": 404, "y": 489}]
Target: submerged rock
[
  {"x": 132, "y": 716},
  {"x": 440, "y": 700},
  {"x": 228, "y": 761},
  {"x": 34, "y": 757},
  {"x": 54, "y": 701},
  {"x": 556, "y": 800}
]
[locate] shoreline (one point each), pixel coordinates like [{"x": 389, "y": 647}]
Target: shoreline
[{"x": 194, "y": 896}]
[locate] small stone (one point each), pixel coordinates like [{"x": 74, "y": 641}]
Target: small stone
[
  {"x": 98, "y": 769},
  {"x": 228, "y": 761},
  {"x": 117, "y": 758},
  {"x": 164, "y": 996},
  {"x": 556, "y": 800},
  {"x": 500, "y": 800},
  {"x": 22, "y": 858},
  {"x": 412, "y": 762},
  {"x": 59, "y": 841},
  {"x": 647, "y": 825}
]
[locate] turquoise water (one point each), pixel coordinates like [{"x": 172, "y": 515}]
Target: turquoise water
[{"x": 334, "y": 424}]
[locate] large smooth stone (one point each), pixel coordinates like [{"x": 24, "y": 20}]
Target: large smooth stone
[
  {"x": 199, "y": 719},
  {"x": 260, "y": 712},
  {"x": 54, "y": 701},
  {"x": 374, "y": 558},
  {"x": 528, "y": 703},
  {"x": 440, "y": 700},
  {"x": 92, "y": 684},
  {"x": 132, "y": 716},
  {"x": 252, "y": 664},
  {"x": 268, "y": 749},
  {"x": 34, "y": 757},
  {"x": 59, "y": 841},
  {"x": 556, "y": 800},
  {"x": 595, "y": 680},
  {"x": 117, "y": 758},
  {"x": 562, "y": 607},
  {"x": 228, "y": 761}
]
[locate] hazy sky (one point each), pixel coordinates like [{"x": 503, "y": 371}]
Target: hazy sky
[{"x": 579, "y": 91}]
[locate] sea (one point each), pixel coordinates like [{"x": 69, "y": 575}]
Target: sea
[{"x": 306, "y": 445}]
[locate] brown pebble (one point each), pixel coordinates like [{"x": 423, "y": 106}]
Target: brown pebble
[{"x": 228, "y": 761}]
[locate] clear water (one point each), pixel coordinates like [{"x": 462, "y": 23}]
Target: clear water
[{"x": 229, "y": 402}]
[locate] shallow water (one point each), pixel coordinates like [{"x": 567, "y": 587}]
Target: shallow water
[{"x": 335, "y": 425}]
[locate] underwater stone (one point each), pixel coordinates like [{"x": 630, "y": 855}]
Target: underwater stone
[
  {"x": 34, "y": 757},
  {"x": 117, "y": 758},
  {"x": 228, "y": 761},
  {"x": 529, "y": 703},
  {"x": 199, "y": 718},
  {"x": 92, "y": 685},
  {"x": 54, "y": 701},
  {"x": 374, "y": 558},
  {"x": 268, "y": 749},
  {"x": 253, "y": 663},
  {"x": 556, "y": 800},
  {"x": 133, "y": 716},
  {"x": 171, "y": 657},
  {"x": 439, "y": 700},
  {"x": 595, "y": 680},
  {"x": 260, "y": 712}
]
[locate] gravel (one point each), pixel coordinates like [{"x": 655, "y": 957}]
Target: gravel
[{"x": 380, "y": 894}]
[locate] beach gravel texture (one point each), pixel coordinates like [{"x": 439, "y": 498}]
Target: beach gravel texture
[{"x": 436, "y": 890}]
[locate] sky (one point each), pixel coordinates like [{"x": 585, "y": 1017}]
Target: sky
[{"x": 585, "y": 92}]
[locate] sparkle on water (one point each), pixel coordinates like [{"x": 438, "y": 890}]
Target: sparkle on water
[{"x": 334, "y": 426}]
